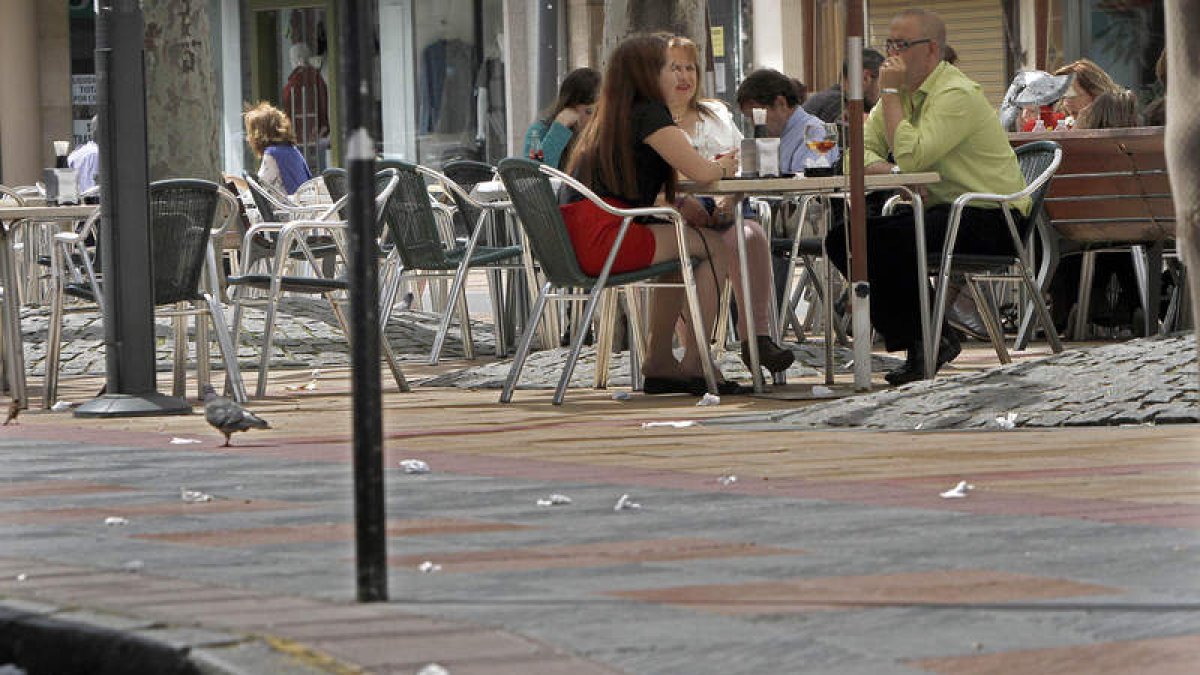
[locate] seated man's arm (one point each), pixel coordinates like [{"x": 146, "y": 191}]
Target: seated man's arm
[
  {"x": 875, "y": 147},
  {"x": 947, "y": 119}
]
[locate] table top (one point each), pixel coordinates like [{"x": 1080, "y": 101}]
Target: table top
[
  {"x": 8, "y": 213},
  {"x": 802, "y": 184}
]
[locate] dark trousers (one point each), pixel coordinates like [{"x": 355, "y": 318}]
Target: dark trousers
[{"x": 892, "y": 261}]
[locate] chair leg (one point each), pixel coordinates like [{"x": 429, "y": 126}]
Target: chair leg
[
  {"x": 53, "y": 336},
  {"x": 203, "y": 357},
  {"x": 1045, "y": 273},
  {"x": 531, "y": 327},
  {"x": 721, "y": 332},
  {"x": 233, "y": 375},
  {"x": 988, "y": 313},
  {"x": 637, "y": 337},
  {"x": 604, "y": 338},
  {"x": 264, "y": 359},
  {"x": 589, "y": 310},
  {"x": 1039, "y": 305},
  {"x": 1087, "y": 270},
  {"x": 500, "y": 318},
  {"x": 397, "y": 373},
  {"x": 179, "y": 369}
]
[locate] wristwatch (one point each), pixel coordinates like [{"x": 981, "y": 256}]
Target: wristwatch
[{"x": 895, "y": 169}]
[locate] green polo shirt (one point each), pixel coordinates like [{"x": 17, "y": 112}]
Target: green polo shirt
[{"x": 949, "y": 127}]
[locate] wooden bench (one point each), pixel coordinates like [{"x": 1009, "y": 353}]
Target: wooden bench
[{"x": 1112, "y": 191}]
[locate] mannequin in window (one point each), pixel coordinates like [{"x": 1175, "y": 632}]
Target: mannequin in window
[{"x": 306, "y": 98}]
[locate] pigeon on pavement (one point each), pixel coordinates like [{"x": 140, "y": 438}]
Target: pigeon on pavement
[
  {"x": 14, "y": 409},
  {"x": 227, "y": 416}
]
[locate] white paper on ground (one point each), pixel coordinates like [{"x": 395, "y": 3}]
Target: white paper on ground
[
  {"x": 709, "y": 399},
  {"x": 626, "y": 504},
  {"x": 681, "y": 424},
  {"x": 414, "y": 466},
  {"x": 958, "y": 491},
  {"x": 554, "y": 500}
]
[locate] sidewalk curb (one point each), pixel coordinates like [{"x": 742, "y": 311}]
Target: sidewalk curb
[{"x": 35, "y": 639}]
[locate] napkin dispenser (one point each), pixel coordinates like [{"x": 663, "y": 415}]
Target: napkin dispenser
[{"x": 62, "y": 186}]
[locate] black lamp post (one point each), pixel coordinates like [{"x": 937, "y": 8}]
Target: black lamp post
[{"x": 357, "y": 102}]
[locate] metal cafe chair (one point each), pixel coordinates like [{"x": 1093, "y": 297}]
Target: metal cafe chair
[
  {"x": 533, "y": 197},
  {"x": 292, "y": 243},
  {"x": 1038, "y": 162},
  {"x": 423, "y": 250},
  {"x": 186, "y": 218}
]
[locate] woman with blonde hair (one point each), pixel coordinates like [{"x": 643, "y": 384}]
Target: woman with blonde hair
[
  {"x": 270, "y": 136},
  {"x": 709, "y": 124},
  {"x": 1089, "y": 82}
]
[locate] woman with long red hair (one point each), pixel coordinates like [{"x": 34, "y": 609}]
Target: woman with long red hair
[{"x": 630, "y": 155}]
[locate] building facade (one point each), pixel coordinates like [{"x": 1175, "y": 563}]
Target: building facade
[{"x": 463, "y": 78}]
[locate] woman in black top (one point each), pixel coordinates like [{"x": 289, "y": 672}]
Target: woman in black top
[{"x": 630, "y": 155}]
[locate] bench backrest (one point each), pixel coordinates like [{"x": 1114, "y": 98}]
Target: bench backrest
[{"x": 1112, "y": 185}]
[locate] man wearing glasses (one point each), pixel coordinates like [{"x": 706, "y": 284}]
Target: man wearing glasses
[{"x": 930, "y": 117}]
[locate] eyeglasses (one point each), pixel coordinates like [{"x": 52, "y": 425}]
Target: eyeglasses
[{"x": 896, "y": 46}]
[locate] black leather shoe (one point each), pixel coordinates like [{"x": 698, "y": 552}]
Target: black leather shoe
[
  {"x": 724, "y": 388},
  {"x": 770, "y": 355},
  {"x": 914, "y": 365},
  {"x": 669, "y": 385}
]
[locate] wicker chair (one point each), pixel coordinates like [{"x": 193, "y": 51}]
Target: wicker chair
[{"x": 186, "y": 218}]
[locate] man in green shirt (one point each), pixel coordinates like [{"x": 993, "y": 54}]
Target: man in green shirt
[{"x": 930, "y": 117}]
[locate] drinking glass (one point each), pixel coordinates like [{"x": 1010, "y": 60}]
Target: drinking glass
[{"x": 821, "y": 139}]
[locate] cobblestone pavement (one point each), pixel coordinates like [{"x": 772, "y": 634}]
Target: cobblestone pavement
[
  {"x": 1147, "y": 381},
  {"x": 1144, "y": 381},
  {"x": 306, "y": 335}
]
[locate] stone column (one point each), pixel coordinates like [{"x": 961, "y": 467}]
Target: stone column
[{"x": 20, "y": 125}]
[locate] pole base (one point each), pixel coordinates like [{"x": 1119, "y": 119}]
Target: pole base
[{"x": 151, "y": 404}]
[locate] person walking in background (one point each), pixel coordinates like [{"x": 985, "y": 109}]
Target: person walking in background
[
  {"x": 86, "y": 158},
  {"x": 270, "y": 136},
  {"x": 549, "y": 138},
  {"x": 931, "y": 117},
  {"x": 709, "y": 125},
  {"x": 631, "y": 155}
]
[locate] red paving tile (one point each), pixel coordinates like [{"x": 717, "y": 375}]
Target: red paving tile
[
  {"x": 324, "y": 532},
  {"x": 171, "y": 508},
  {"x": 49, "y": 488},
  {"x": 603, "y": 554},
  {"x": 1156, "y": 656},
  {"x": 942, "y": 587}
]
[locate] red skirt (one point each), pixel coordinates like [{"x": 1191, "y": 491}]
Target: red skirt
[{"x": 593, "y": 231}]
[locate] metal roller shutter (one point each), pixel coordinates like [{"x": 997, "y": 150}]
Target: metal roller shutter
[{"x": 975, "y": 28}]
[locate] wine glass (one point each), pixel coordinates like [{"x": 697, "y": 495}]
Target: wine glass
[{"x": 821, "y": 138}]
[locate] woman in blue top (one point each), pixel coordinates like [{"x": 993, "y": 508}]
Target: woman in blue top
[
  {"x": 270, "y": 136},
  {"x": 555, "y": 130}
]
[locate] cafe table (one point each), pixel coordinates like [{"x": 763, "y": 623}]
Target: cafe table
[
  {"x": 10, "y": 322},
  {"x": 829, "y": 186}
]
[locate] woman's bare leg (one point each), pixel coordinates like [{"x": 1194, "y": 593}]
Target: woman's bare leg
[
  {"x": 667, "y": 305},
  {"x": 762, "y": 288}
]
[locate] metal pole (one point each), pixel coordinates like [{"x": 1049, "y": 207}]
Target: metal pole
[
  {"x": 125, "y": 220},
  {"x": 547, "y": 52},
  {"x": 358, "y": 102},
  {"x": 860, "y": 286}
]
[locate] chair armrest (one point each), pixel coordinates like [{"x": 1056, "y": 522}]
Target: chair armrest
[{"x": 67, "y": 237}]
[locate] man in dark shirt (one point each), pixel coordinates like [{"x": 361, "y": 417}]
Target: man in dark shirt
[{"x": 828, "y": 105}]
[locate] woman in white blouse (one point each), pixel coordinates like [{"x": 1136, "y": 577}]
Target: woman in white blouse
[{"x": 710, "y": 126}]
